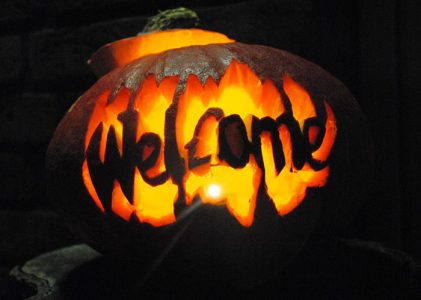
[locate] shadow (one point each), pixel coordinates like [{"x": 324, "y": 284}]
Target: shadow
[{"x": 346, "y": 269}]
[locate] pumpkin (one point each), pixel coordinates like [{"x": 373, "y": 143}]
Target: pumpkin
[{"x": 234, "y": 153}]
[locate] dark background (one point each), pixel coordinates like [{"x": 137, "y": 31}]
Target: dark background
[{"x": 372, "y": 46}]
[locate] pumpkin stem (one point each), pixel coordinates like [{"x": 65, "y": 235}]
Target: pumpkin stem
[{"x": 180, "y": 17}]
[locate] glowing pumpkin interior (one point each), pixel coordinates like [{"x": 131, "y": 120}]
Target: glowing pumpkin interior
[{"x": 232, "y": 137}]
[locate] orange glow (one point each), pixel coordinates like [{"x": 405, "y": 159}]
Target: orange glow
[
  {"x": 313, "y": 133},
  {"x": 323, "y": 152},
  {"x": 150, "y": 205},
  {"x": 154, "y": 204},
  {"x": 240, "y": 92},
  {"x": 209, "y": 175},
  {"x": 302, "y": 106},
  {"x": 127, "y": 50},
  {"x": 207, "y": 140},
  {"x": 108, "y": 116},
  {"x": 238, "y": 189},
  {"x": 151, "y": 101},
  {"x": 119, "y": 203},
  {"x": 288, "y": 188},
  {"x": 90, "y": 186}
]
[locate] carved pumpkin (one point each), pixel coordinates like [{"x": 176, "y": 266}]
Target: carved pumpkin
[{"x": 235, "y": 151}]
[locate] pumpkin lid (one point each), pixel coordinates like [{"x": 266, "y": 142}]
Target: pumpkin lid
[{"x": 122, "y": 52}]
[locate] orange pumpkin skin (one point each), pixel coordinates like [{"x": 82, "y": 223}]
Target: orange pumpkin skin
[{"x": 256, "y": 250}]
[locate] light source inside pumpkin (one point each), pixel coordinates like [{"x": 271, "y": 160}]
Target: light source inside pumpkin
[
  {"x": 214, "y": 191},
  {"x": 222, "y": 131}
]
